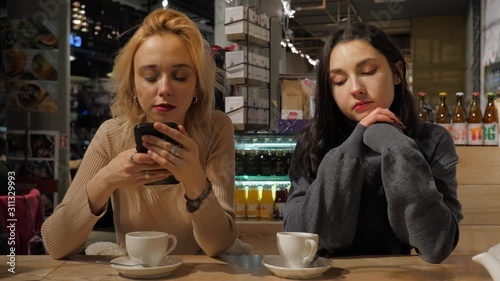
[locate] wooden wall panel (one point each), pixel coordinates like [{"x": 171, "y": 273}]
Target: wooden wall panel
[
  {"x": 478, "y": 165},
  {"x": 476, "y": 239},
  {"x": 480, "y": 204}
]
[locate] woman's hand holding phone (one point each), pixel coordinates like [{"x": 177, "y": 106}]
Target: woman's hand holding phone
[
  {"x": 182, "y": 161},
  {"x": 122, "y": 172}
]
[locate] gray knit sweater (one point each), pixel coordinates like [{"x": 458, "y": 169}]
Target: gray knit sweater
[{"x": 381, "y": 192}]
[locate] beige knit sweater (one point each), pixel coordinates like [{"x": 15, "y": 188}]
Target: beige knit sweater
[{"x": 211, "y": 228}]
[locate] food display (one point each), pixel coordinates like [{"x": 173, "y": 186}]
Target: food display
[
  {"x": 31, "y": 96},
  {"x": 30, "y": 64},
  {"x": 29, "y": 60}
]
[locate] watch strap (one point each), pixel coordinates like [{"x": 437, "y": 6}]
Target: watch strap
[{"x": 193, "y": 205}]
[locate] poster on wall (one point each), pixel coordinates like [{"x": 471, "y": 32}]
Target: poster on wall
[
  {"x": 31, "y": 96},
  {"x": 491, "y": 33},
  {"x": 33, "y": 155},
  {"x": 29, "y": 62}
]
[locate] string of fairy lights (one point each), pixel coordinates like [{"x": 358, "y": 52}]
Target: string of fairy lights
[{"x": 286, "y": 43}]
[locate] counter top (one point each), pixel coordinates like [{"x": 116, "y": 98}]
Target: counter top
[{"x": 456, "y": 267}]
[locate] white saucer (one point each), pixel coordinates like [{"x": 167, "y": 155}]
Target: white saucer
[
  {"x": 275, "y": 265},
  {"x": 168, "y": 265}
]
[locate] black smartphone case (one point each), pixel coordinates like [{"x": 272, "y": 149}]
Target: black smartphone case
[{"x": 148, "y": 129}]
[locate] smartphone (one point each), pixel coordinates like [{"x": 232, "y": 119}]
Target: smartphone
[{"x": 148, "y": 129}]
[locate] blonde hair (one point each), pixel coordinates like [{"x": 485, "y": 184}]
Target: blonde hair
[{"x": 124, "y": 107}]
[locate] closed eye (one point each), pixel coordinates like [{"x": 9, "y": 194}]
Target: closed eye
[
  {"x": 151, "y": 79},
  {"x": 371, "y": 72},
  {"x": 181, "y": 79},
  {"x": 339, "y": 83}
]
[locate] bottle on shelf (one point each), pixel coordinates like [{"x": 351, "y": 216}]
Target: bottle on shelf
[
  {"x": 474, "y": 122},
  {"x": 443, "y": 114},
  {"x": 422, "y": 111},
  {"x": 490, "y": 122},
  {"x": 251, "y": 163},
  {"x": 280, "y": 163},
  {"x": 267, "y": 202},
  {"x": 458, "y": 122},
  {"x": 239, "y": 168},
  {"x": 279, "y": 201},
  {"x": 253, "y": 203},
  {"x": 266, "y": 164},
  {"x": 240, "y": 201}
]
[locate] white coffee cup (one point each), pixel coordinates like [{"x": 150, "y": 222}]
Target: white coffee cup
[
  {"x": 297, "y": 249},
  {"x": 149, "y": 247}
]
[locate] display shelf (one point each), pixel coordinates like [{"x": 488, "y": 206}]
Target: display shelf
[
  {"x": 248, "y": 70},
  {"x": 264, "y": 141},
  {"x": 247, "y": 82},
  {"x": 262, "y": 180},
  {"x": 243, "y": 39}
]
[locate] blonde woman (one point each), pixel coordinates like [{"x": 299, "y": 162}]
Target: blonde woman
[{"x": 164, "y": 73}]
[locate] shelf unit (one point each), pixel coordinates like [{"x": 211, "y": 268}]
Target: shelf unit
[{"x": 252, "y": 72}]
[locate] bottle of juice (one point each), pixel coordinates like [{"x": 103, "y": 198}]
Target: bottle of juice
[
  {"x": 279, "y": 201},
  {"x": 253, "y": 204},
  {"x": 240, "y": 201},
  {"x": 267, "y": 202}
]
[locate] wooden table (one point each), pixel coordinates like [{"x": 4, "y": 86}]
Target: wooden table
[{"x": 230, "y": 268}]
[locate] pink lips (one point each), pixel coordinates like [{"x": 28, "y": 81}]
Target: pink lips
[
  {"x": 164, "y": 107},
  {"x": 360, "y": 105}
]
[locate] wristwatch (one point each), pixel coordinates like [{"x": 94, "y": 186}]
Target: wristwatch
[{"x": 192, "y": 205}]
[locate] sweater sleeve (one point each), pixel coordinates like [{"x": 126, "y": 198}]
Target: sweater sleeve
[
  {"x": 66, "y": 231},
  {"x": 329, "y": 205},
  {"x": 423, "y": 208},
  {"x": 213, "y": 223}
]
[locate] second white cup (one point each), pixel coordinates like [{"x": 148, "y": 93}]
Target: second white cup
[
  {"x": 297, "y": 249},
  {"x": 149, "y": 247}
]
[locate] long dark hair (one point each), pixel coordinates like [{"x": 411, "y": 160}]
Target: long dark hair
[{"x": 329, "y": 127}]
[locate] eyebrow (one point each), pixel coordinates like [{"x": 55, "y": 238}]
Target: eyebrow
[
  {"x": 154, "y": 66},
  {"x": 337, "y": 70}
]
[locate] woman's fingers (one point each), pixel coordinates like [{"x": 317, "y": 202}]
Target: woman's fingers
[{"x": 382, "y": 115}]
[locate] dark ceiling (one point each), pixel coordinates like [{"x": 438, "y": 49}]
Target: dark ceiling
[
  {"x": 315, "y": 18},
  {"x": 312, "y": 23}
]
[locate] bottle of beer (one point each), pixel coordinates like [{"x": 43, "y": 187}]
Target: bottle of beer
[
  {"x": 490, "y": 122},
  {"x": 422, "y": 111},
  {"x": 458, "y": 120},
  {"x": 474, "y": 122},
  {"x": 443, "y": 114}
]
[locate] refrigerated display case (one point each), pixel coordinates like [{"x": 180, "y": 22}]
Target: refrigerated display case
[{"x": 262, "y": 162}]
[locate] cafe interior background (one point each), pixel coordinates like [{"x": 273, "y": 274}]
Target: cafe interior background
[{"x": 57, "y": 57}]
